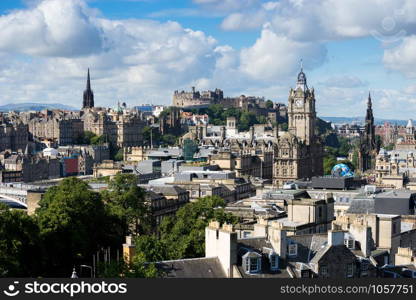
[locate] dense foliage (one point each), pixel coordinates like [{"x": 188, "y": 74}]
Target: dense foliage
[
  {"x": 218, "y": 115},
  {"x": 70, "y": 226},
  {"x": 73, "y": 223},
  {"x": 153, "y": 136},
  {"x": 90, "y": 138},
  {"x": 183, "y": 235},
  {"x": 340, "y": 148},
  {"x": 126, "y": 201},
  {"x": 19, "y": 244}
]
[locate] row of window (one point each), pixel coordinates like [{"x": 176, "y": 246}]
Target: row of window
[{"x": 253, "y": 264}]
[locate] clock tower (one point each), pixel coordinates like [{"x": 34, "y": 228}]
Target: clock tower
[{"x": 301, "y": 110}]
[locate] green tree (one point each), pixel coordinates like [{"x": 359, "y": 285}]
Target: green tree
[
  {"x": 169, "y": 139},
  {"x": 344, "y": 146},
  {"x": 389, "y": 147},
  {"x": 355, "y": 159},
  {"x": 151, "y": 135},
  {"x": 261, "y": 120},
  {"x": 151, "y": 247},
  {"x": 247, "y": 120},
  {"x": 329, "y": 162},
  {"x": 128, "y": 202},
  {"x": 72, "y": 223},
  {"x": 119, "y": 155},
  {"x": 97, "y": 140},
  {"x": 90, "y": 138},
  {"x": 269, "y": 104},
  {"x": 184, "y": 234},
  {"x": 138, "y": 268},
  {"x": 20, "y": 249}
]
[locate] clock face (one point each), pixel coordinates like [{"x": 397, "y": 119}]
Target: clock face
[{"x": 299, "y": 103}]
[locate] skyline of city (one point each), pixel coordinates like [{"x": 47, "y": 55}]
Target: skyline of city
[{"x": 370, "y": 51}]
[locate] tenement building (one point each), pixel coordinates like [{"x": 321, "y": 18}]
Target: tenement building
[
  {"x": 13, "y": 135},
  {"x": 57, "y": 126}
]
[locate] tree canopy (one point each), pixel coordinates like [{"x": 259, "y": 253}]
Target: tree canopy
[
  {"x": 19, "y": 244},
  {"x": 90, "y": 138},
  {"x": 71, "y": 220},
  {"x": 183, "y": 235},
  {"x": 127, "y": 201}
]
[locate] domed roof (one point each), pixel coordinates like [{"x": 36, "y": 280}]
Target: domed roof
[
  {"x": 301, "y": 76},
  {"x": 409, "y": 124}
]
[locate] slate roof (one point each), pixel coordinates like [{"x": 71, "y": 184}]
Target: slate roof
[
  {"x": 169, "y": 190},
  {"x": 192, "y": 268},
  {"x": 281, "y": 273},
  {"x": 263, "y": 247},
  {"x": 308, "y": 246},
  {"x": 362, "y": 206}
]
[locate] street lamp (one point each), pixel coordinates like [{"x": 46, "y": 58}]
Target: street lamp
[{"x": 88, "y": 267}]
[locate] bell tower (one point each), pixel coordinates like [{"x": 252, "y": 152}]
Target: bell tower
[{"x": 301, "y": 110}]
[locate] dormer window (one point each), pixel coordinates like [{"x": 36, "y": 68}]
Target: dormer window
[
  {"x": 293, "y": 249},
  {"x": 252, "y": 262},
  {"x": 349, "y": 243}
]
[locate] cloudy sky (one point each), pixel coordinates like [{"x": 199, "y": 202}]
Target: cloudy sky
[{"x": 140, "y": 51}]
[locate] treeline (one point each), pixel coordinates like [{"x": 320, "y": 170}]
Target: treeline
[
  {"x": 218, "y": 115},
  {"x": 73, "y": 223}
]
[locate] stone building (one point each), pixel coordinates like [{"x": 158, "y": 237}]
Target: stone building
[
  {"x": 170, "y": 121},
  {"x": 390, "y": 169},
  {"x": 378, "y": 233},
  {"x": 249, "y": 161},
  {"x": 32, "y": 167},
  {"x": 60, "y": 127},
  {"x": 196, "y": 99},
  {"x": 387, "y": 132},
  {"x": 165, "y": 201},
  {"x": 13, "y": 136},
  {"x": 407, "y": 140},
  {"x": 299, "y": 152},
  {"x": 271, "y": 255},
  {"x": 120, "y": 127}
]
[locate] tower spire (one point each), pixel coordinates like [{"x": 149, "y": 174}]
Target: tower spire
[
  {"x": 301, "y": 64},
  {"x": 369, "y": 104},
  {"x": 88, "y": 80},
  {"x": 88, "y": 101}
]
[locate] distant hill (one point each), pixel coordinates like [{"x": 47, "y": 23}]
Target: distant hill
[
  {"x": 34, "y": 106},
  {"x": 341, "y": 120}
]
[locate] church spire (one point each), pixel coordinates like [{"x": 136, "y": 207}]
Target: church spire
[
  {"x": 88, "y": 80},
  {"x": 88, "y": 101},
  {"x": 369, "y": 104}
]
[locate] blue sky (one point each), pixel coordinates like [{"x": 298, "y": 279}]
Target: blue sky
[{"x": 140, "y": 51}]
